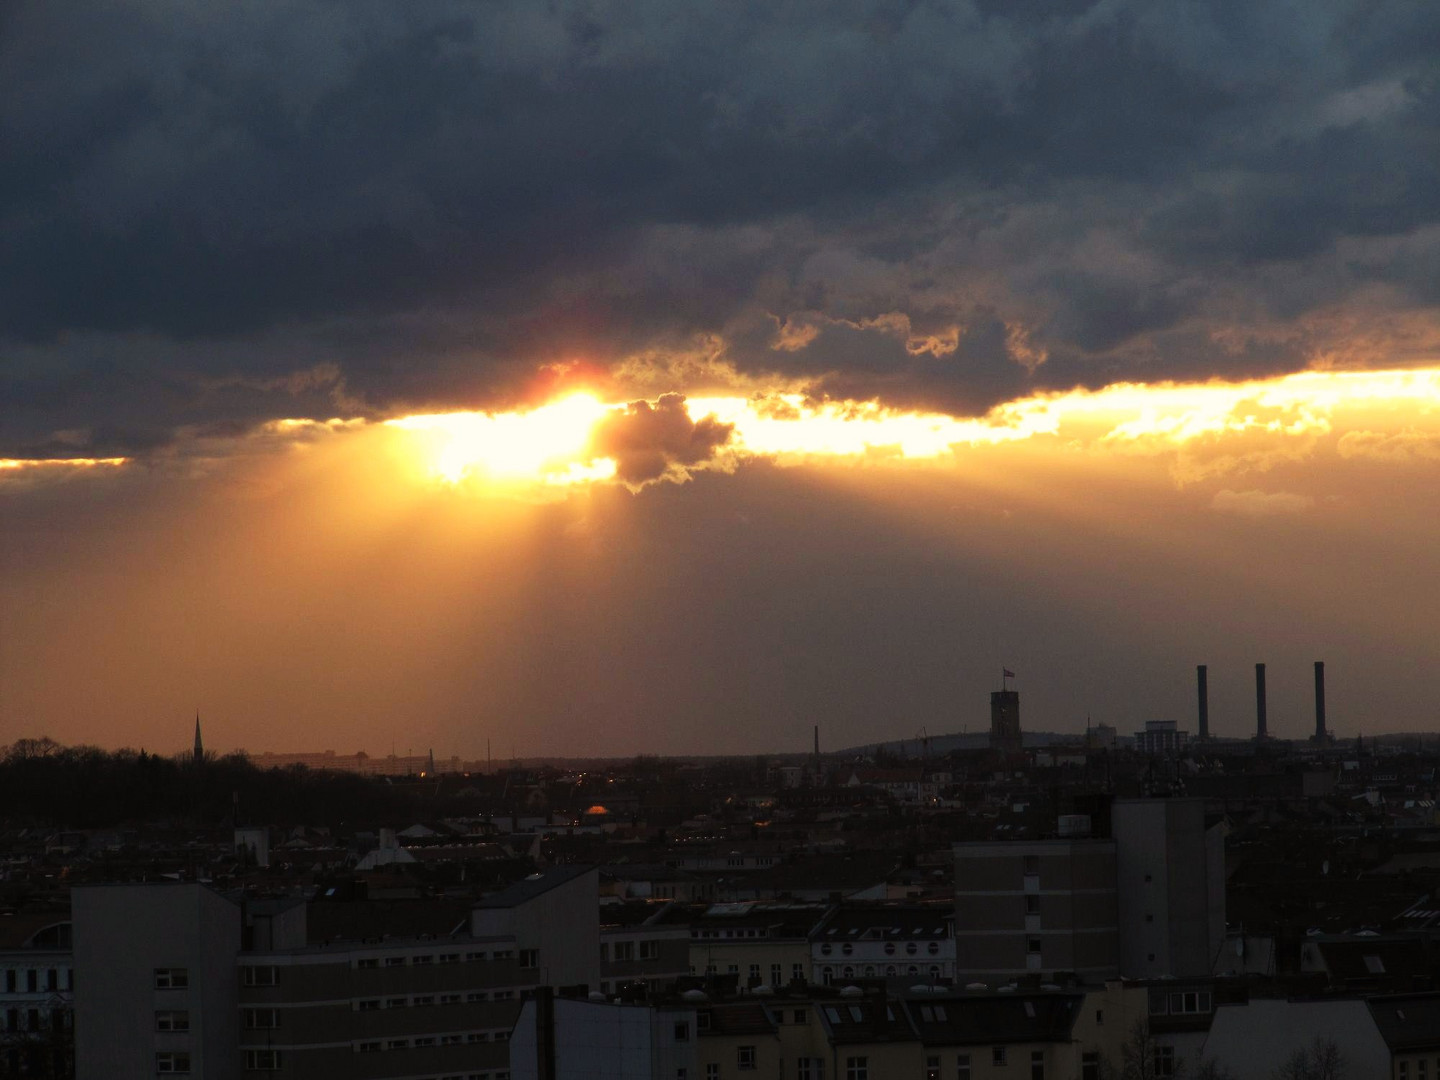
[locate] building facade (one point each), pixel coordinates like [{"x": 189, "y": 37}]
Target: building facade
[{"x": 1043, "y": 906}]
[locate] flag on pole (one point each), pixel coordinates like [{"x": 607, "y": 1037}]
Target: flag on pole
[{"x": 1008, "y": 673}]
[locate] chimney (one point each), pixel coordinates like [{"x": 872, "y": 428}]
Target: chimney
[
  {"x": 817, "y": 740},
  {"x": 1203, "y": 691},
  {"x": 1319, "y": 701},
  {"x": 1260, "y": 732}
]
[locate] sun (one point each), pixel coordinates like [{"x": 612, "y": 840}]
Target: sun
[{"x": 548, "y": 443}]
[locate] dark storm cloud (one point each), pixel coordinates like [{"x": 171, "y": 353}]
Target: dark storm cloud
[
  {"x": 648, "y": 442},
  {"x": 428, "y": 202}
]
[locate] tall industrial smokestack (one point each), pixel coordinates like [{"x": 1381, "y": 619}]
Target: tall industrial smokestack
[
  {"x": 1260, "y": 731},
  {"x": 817, "y": 740},
  {"x": 1203, "y": 690},
  {"x": 1319, "y": 701}
]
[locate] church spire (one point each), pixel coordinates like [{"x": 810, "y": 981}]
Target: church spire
[{"x": 199, "y": 745}]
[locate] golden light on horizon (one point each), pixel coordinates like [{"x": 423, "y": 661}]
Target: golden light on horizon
[
  {"x": 1389, "y": 415},
  {"x": 545, "y": 444},
  {"x": 554, "y": 444},
  {"x": 26, "y": 464}
]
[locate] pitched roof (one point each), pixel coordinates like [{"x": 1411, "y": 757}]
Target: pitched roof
[
  {"x": 1408, "y": 1021},
  {"x": 535, "y": 885},
  {"x": 995, "y": 1019}
]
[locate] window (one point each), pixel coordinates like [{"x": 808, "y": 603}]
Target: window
[
  {"x": 712, "y": 1072},
  {"x": 396, "y": 1002},
  {"x": 262, "y": 1059},
  {"x": 367, "y": 1005},
  {"x": 682, "y": 1031},
  {"x": 857, "y": 1068},
  {"x": 172, "y": 1020},
  {"x": 172, "y": 979},
  {"x": 933, "y": 948},
  {"x": 1090, "y": 1065},
  {"x": 262, "y": 1019},
  {"x": 448, "y": 958},
  {"x": 424, "y": 999},
  {"x": 398, "y": 1044},
  {"x": 32, "y": 981},
  {"x": 368, "y": 962},
  {"x": 1032, "y": 864},
  {"x": 425, "y": 1040},
  {"x": 754, "y": 973},
  {"x": 776, "y": 974},
  {"x": 649, "y": 950},
  {"x": 1419, "y": 1069},
  {"x": 1037, "y": 1065},
  {"x": 1032, "y": 904},
  {"x": 800, "y": 1016},
  {"x": 371, "y": 1047},
  {"x": 264, "y": 975},
  {"x": 911, "y": 947},
  {"x": 932, "y": 1067},
  {"x": 744, "y": 1058},
  {"x": 962, "y": 1067},
  {"x": 624, "y": 950},
  {"x": 682, "y": 1073},
  {"x": 847, "y": 948},
  {"x": 1032, "y": 945},
  {"x": 450, "y": 999},
  {"x": 52, "y": 980},
  {"x": 1099, "y": 1017},
  {"x": 1164, "y": 1061},
  {"x": 422, "y": 959},
  {"x": 10, "y": 980},
  {"x": 997, "y": 1055},
  {"x": 1403, "y": 1070},
  {"x": 169, "y": 1061},
  {"x": 797, "y": 972},
  {"x": 529, "y": 958},
  {"x": 702, "y": 1021},
  {"x": 477, "y": 956}
]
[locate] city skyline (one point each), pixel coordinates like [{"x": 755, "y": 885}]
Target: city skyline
[{"x": 605, "y": 380}]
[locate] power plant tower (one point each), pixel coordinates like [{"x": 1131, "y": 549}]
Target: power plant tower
[
  {"x": 1320, "y": 734},
  {"x": 1204, "y": 694},
  {"x": 1260, "y": 732}
]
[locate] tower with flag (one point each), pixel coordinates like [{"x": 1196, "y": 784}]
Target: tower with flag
[{"x": 1005, "y": 735}]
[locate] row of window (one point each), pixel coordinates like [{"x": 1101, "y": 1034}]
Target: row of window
[
  {"x": 36, "y": 1019},
  {"x": 797, "y": 972},
  {"x": 419, "y": 1042},
  {"x": 33, "y": 980},
  {"x": 911, "y": 948},
  {"x": 625, "y": 950},
  {"x": 451, "y": 998},
  {"x": 1402, "y": 1068},
  {"x": 730, "y": 934},
  {"x": 422, "y": 959},
  {"x": 828, "y": 974},
  {"x": 175, "y": 1063}
]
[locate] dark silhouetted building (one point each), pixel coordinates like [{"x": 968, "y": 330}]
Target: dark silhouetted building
[{"x": 1005, "y": 721}]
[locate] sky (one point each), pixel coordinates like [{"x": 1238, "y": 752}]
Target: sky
[{"x": 605, "y": 378}]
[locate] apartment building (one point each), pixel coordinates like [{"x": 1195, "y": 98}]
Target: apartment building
[
  {"x": 178, "y": 979},
  {"x": 36, "y": 993},
  {"x": 1170, "y": 879},
  {"x": 641, "y": 952},
  {"x": 892, "y": 941},
  {"x": 760, "y": 942},
  {"x": 1035, "y": 907}
]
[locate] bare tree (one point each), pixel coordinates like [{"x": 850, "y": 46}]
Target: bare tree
[
  {"x": 1141, "y": 1058},
  {"x": 1210, "y": 1069},
  {"x": 1321, "y": 1060}
]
